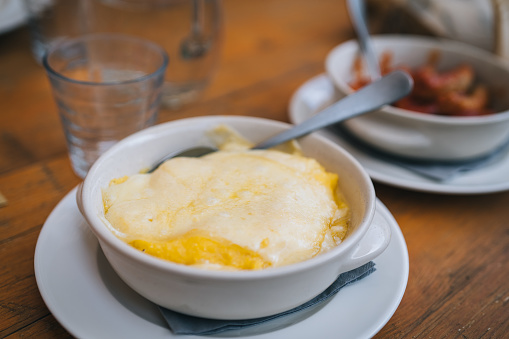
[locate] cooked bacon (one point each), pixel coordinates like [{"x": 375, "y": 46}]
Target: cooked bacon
[
  {"x": 452, "y": 92},
  {"x": 461, "y": 104}
]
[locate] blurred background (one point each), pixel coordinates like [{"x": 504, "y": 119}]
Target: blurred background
[
  {"x": 28, "y": 26},
  {"x": 189, "y": 31}
]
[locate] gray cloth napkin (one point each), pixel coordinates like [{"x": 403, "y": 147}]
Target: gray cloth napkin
[
  {"x": 184, "y": 324},
  {"x": 440, "y": 171}
]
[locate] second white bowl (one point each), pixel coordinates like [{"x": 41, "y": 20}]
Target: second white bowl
[{"x": 424, "y": 136}]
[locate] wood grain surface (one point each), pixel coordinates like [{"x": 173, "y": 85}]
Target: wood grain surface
[{"x": 458, "y": 245}]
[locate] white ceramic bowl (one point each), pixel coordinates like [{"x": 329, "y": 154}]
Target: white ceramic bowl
[
  {"x": 230, "y": 294},
  {"x": 424, "y": 136}
]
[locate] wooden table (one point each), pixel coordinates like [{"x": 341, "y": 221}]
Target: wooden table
[{"x": 458, "y": 245}]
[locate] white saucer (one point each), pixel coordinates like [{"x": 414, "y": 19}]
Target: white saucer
[
  {"x": 87, "y": 297},
  {"x": 318, "y": 93}
]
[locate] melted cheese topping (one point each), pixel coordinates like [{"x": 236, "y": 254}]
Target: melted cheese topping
[{"x": 238, "y": 209}]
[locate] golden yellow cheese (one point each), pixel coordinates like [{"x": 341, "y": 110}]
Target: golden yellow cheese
[
  {"x": 194, "y": 248},
  {"x": 232, "y": 209}
]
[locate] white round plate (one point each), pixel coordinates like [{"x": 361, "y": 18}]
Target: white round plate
[
  {"x": 318, "y": 93},
  {"x": 12, "y": 15},
  {"x": 87, "y": 297}
]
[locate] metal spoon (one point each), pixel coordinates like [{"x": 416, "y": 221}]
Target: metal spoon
[
  {"x": 384, "y": 91},
  {"x": 356, "y": 9}
]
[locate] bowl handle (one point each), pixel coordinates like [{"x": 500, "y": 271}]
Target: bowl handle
[
  {"x": 374, "y": 242},
  {"x": 79, "y": 202}
]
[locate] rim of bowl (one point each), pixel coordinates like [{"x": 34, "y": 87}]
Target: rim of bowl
[
  {"x": 431, "y": 43},
  {"x": 104, "y": 234}
]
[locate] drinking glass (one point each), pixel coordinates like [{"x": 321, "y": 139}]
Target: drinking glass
[{"x": 106, "y": 86}]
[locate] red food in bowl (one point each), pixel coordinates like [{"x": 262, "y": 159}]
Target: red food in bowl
[{"x": 453, "y": 92}]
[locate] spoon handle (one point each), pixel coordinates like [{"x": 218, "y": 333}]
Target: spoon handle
[
  {"x": 384, "y": 91},
  {"x": 356, "y": 9}
]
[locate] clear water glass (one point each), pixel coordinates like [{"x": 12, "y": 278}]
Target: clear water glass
[{"x": 106, "y": 87}]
